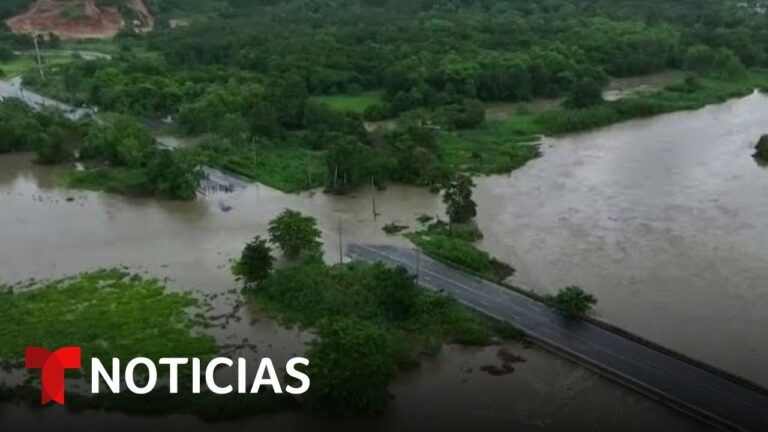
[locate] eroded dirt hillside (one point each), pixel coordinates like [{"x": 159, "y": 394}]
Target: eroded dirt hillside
[{"x": 78, "y": 19}]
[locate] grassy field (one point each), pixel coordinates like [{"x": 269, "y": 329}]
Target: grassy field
[
  {"x": 356, "y": 103},
  {"x": 22, "y": 63},
  {"x": 287, "y": 168},
  {"x": 494, "y": 148}
]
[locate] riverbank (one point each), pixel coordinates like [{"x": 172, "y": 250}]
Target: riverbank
[
  {"x": 501, "y": 146},
  {"x": 505, "y": 143}
]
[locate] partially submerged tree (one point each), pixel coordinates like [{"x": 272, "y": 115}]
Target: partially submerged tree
[
  {"x": 761, "y": 149},
  {"x": 295, "y": 234},
  {"x": 351, "y": 369},
  {"x": 585, "y": 93},
  {"x": 255, "y": 263},
  {"x": 458, "y": 199},
  {"x": 573, "y": 302}
]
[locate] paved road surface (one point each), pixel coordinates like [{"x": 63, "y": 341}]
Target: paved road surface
[
  {"x": 13, "y": 88},
  {"x": 713, "y": 398}
]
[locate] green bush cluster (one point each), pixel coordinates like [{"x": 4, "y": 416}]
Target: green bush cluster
[
  {"x": 371, "y": 321},
  {"x": 124, "y": 158},
  {"x": 112, "y": 314},
  {"x": 761, "y": 149},
  {"x": 48, "y": 133},
  {"x": 455, "y": 251},
  {"x": 108, "y": 313},
  {"x": 692, "y": 94}
]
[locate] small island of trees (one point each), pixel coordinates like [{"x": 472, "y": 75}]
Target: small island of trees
[{"x": 761, "y": 149}]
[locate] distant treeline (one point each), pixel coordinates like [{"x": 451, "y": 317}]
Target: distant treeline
[{"x": 245, "y": 74}]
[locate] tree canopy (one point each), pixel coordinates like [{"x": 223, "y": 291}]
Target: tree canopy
[
  {"x": 250, "y": 75},
  {"x": 255, "y": 263},
  {"x": 460, "y": 206},
  {"x": 295, "y": 234},
  {"x": 351, "y": 368}
]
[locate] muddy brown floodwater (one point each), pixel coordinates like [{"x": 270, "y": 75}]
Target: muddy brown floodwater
[
  {"x": 48, "y": 232},
  {"x": 664, "y": 219}
]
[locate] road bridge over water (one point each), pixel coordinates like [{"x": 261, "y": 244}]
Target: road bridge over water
[{"x": 699, "y": 390}]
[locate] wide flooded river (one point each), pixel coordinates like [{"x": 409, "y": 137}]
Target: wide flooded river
[{"x": 664, "y": 219}]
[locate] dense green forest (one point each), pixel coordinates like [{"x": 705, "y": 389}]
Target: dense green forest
[{"x": 281, "y": 88}]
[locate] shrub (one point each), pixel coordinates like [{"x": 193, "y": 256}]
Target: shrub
[
  {"x": 351, "y": 368},
  {"x": 573, "y": 301},
  {"x": 761, "y": 148},
  {"x": 455, "y": 251},
  {"x": 255, "y": 263}
]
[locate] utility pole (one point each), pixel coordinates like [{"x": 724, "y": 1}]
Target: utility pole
[
  {"x": 341, "y": 246},
  {"x": 418, "y": 265},
  {"x": 39, "y": 58},
  {"x": 309, "y": 173},
  {"x": 373, "y": 198}
]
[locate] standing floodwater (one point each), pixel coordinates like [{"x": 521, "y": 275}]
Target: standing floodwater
[
  {"x": 664, "y": 219},
  {"x": 47, "y": 231}
]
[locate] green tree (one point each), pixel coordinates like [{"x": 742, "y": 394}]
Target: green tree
[
  {"x": 573, "y": 301},
  {"x": 51, "y": 147},
  {"x": 761, "y": 149},
  {"x": 469, "y": 114},
  {"x": 727, "y": 65},
  {"x": 6, "y": 54},
  {"x": 173, "y": 174},
  {"x": 288, "y": 95},
  {"x": 119, "y": 140},
  {"x": 460, "y": 206},
  {"x": 295, "y": 234},
  {"x": 699, "y": 58},
  {"x": 415, "y": 153},
  {"x": 349, "y": 162},
  {"x": 585, "y": 93},
  {"x": 263, "y": 120},
  {"x": 396, "y": 293},
  {"x": 351, "y": 367},
  {"x": 256, "y": 262}
]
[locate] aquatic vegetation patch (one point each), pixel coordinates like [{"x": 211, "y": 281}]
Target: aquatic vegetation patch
[
  {"x": 761, "y": 149},
  {"x": 109, "y": 313}
]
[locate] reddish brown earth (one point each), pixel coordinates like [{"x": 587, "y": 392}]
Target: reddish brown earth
[{"x": 46, "y": 16}]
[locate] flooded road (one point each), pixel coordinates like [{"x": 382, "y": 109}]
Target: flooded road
[
  {"x": 13, "y": 89},
  {"x": 664, "y": 219},
  {"x": 47, "y": 232}
]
